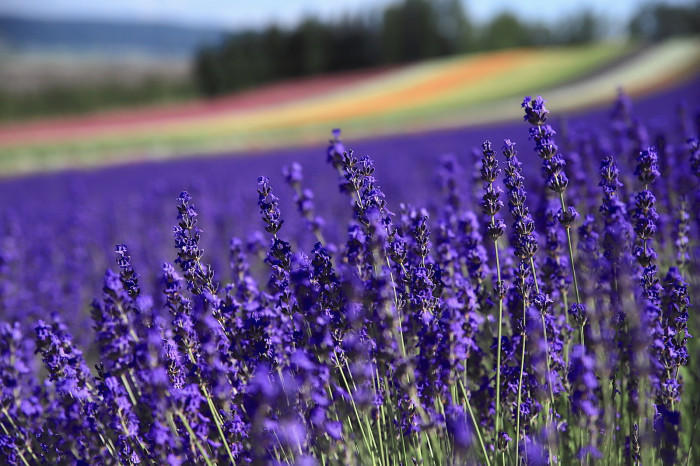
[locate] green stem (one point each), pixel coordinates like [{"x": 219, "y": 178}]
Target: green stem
[
  {"x": 571, "y": 251},
  {"x": 194, "y": 439},
  {"x": 549, "y": 408},
  {"x": 127, "y": 386},
  {"x": 520, "y": 388},
  {"x": 14, "y": 426},
  {"x": 284, "y": 451},
  {"x": 500, "y": 329},
  {"x": 354, "y": 407},
  {"x": 367, "y": 425},
  {"x": 19, "y": 452},
  {"x": 380, "y": 421},
  {"x": 217, "y": 421},
  {"x": 215, "y": 415},
  {"x": 430, "y": 447},
  {"x": 546, "y": 344},
  {"x": 534, "y": 274},
  {"x": 396, "y": 305},
  {"x": 476, "y": 425}
]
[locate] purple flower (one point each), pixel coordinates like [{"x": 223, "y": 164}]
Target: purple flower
[
  {"x": 127, "y": 274},
  {"x": 491, "y": 202},
  {"x": 583, "y": 384},
  {"x": 189, "y": 254},
  {"x": 694, "y": 149},
  {"x": 675, "y": 303},
  {"x": 523, "y": 225},
  {"x": 74, "y": 416},
  {"x": 336, "y": 150},
  {"x": 459, "y": 428},
  {"x": 116, "y": 336},
  {"x": 304, "y": 199},
  {"x": 682, "y": 241},
  {"x": 269, "y": 206},
  {"x": 535, "y": 111},
  {"x": 647, "y": 170}
]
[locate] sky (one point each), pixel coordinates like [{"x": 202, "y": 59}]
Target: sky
[{"x": 237, "y": 14}]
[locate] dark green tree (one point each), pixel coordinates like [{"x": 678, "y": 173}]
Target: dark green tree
[{"x": 658, "y": 21}]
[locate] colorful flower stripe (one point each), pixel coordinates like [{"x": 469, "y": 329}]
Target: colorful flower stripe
[{"x": 440, "y": 93}]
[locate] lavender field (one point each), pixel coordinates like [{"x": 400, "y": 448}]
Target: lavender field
[{"x": 520, "y": 293}]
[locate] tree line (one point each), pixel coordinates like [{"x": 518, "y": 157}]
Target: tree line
[{"x": 406, "y": 31}]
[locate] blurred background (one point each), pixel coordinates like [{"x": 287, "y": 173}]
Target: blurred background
[{"x": 84, "y": 84}]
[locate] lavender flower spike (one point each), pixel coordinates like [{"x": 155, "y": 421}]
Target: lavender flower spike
[
  {"x": 553, "y": 165},
  {"x": 490, "y": 205}
]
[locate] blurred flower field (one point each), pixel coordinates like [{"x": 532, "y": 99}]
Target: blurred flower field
[{"x": 442, "y": 93}]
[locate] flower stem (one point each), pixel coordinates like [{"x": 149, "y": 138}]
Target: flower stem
[
  {"x": 520, "y": 388},
  {"x": 476, "y": 425},
  {"x": 214, "y": 413},
  {"x": 194, "y": 439},
  {"x": 571, "y": 251},
  {"x": 19, "y": 452},
  {"x": 218, "y": 422},
  {"x": 500, "y": 329},
  {"x": 368, "y": 445}
]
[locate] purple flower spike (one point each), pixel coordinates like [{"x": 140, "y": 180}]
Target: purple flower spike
[
  {"x": 535, "y": 111},
  {"x": 269, "y": 206},
  {"x": 127, "y": 274}
]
